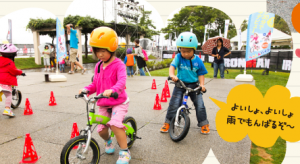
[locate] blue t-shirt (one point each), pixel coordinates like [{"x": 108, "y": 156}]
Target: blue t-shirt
[
  {"x": 184, "y": 72},
  {"x": 73, "y": 39}
]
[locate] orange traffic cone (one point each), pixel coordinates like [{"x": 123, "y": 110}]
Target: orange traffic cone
[
  {"x": 52, "y": 101},
  {"x": 157, "y": 105},
  {"x": 167, "y": 89},
  {"x": 153, "y": 84},
  {"x": 28, "y": 109},
  {"x": 75, "y": 132},
  {"x": 163, "y": 96},
  {"x": 29, "y": 151}
]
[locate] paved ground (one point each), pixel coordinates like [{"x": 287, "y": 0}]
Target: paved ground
[{"x": 50, "y": 127}]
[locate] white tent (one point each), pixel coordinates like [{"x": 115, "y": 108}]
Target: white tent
[{"x": 278, "y": 37}]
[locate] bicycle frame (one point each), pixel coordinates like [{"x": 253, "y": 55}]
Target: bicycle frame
[
  {"x": 99, "y": 119},
  {"x": 184, "y": 102}
]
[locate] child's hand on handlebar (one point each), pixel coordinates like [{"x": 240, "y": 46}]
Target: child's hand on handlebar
[
  {"x": 107, "y": 93},
  {"x": 174, "y": 78},
  {"x": 203, "y": 88}
]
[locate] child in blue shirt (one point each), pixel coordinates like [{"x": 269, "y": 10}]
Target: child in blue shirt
[
  {"x": 191, "y": 71},
  {"x": 129, "y": 61}
]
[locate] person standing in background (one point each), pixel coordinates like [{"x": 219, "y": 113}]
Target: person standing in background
[
  {"x": 73, "y": 48},
  {"x": 140, "y": 57}
]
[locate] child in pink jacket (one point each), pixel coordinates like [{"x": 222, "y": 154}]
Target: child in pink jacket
[{"x": 110, "y": 78}]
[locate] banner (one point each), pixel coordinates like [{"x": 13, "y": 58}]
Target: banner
[
  {"x": 60, "y": 41},
  {"x": 240, "y": 39},
  {"x": 274, "y": 61},
  {"x": 9, "y": 35},
  {"x": 226, "y": 27},
  {"x": 259, "y": 34}
]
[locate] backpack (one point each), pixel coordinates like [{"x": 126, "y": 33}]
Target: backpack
[
  {"x": 145, "y": 55},
  {"x": 130, "y": 60}
]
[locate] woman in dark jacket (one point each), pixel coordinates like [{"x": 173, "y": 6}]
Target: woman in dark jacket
[{"x": 219, "y": 53}]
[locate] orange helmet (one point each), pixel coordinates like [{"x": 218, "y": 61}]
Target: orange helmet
[{"x": 104, "y": 37}]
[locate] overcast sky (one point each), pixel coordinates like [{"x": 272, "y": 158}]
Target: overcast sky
[{"x": 21, "y": 18}]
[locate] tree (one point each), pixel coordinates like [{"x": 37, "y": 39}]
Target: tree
[
  {"x": 196, "y": 17},
  {"x": 40, "y": 24},
  {"x": 88, "y": 24},
  {"x": 145, "y": 24},
  {"x": 244, "y": 25},
  {"x": 280, "y": 24}
]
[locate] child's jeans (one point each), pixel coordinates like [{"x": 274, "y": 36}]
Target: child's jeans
[
  {"x": 221, "y": 67},
  {"x": 62, "y": 67},
  {"x": 117, "y": 116},
  {"x": 8, "y": 100},
  {"x": 142, "y": 73},
  {"x": 176, "y": 102},
  {"x": 129, "y": 70}
]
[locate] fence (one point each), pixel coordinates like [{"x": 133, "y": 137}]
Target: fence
[{"x": 273, "y": 61}]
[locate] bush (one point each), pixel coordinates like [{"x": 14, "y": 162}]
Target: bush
[
  {"x": 151, "y": 57},
  {"x": 121, "y": 53}
]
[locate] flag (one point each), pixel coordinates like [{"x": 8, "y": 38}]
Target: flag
[
  {"x": 226, "y": 28},
  {"x": 60, "y": 41},
  {"x": 175, "y": 41},
  {"x": 9, "y": 34},
  {"x": 205, "y": 34},
  {"x": 240, "y": 39},
  {"x": 259, "y": 34}
]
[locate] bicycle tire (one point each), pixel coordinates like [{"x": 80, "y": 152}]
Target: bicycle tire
[
  {"x": 134, "y": 126},
  {"x": 73, "y": 142},
  {"x": 14, "y": 106},
  {"x": 184, "y": 131}
]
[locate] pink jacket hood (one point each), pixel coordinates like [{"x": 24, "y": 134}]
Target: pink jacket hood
[{"x": 112, "y": 77}]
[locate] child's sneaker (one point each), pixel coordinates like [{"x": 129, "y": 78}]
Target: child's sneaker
[
  {"x": 124, "y": 157},
  {"x": 83, "y": 71},
  {"x": 109, "y": 147},
  {"x": 165, "y": 128},
  {"x": 8, "y": 112},
  {"x": 205, "y": 129}
]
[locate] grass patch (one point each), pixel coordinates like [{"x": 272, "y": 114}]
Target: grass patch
[
  {"x": 89, "y": 59},
  {"x": 29, "y": 63},
  {"x": 263, "y": 83}
]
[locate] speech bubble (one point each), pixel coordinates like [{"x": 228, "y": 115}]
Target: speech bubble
[{"x": 276, "y": 114}]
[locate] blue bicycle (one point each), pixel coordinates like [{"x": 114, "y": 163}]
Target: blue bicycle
[{"x": 180, "y": 124}]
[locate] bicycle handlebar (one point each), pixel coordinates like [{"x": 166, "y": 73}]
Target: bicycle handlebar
[
  {"x": 114, "y": 95},
  {"x": 190, "y": 89}
]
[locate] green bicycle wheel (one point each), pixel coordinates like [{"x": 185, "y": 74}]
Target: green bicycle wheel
[
  {"x": 70, "y": 155},
  {"x": 131, "y": 122}
]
